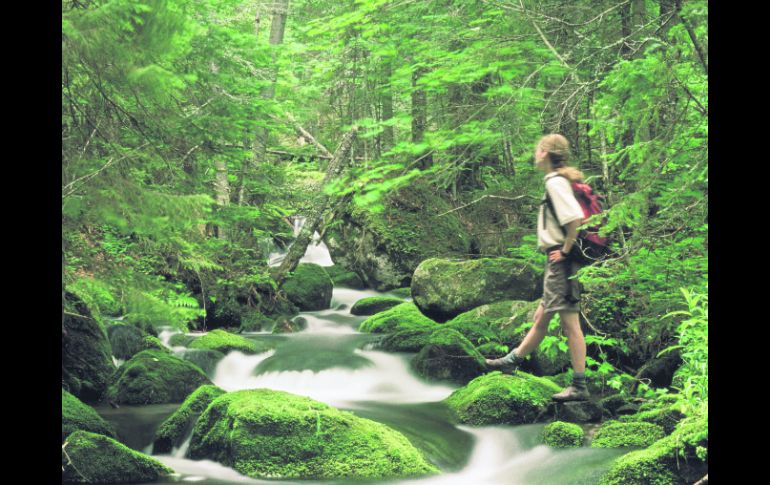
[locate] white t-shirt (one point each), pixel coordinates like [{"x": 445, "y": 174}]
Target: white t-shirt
[{"x": 567, "y": 210}]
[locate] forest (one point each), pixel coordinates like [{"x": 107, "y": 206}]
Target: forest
[{"x": 295, "y": 234}]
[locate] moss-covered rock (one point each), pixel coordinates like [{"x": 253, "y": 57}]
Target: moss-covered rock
[
  {"x": 173, "y": 430},
  {"x": 94, "y": 458},
  {"x": 667, "y": 417},
  {"x": 374, "y": 304},
  {"x": 483, "y": 322},
  {"x": 385, "y": 247},
  {"x": 443, "y": 289},
  {"x": 264, "y": 433},
  {"x": 405, "y": 316},
  {"x": 86, "y": 358},
  {"x": 206, "y": 359},
  {"x": 180, "y": 340},
  {"x": 155, "y": 377},
  {"x": 76, "y": 415},
  {"x": 450, "y": 356},
  {"x": 309, "y": 287},
  {"x": 150, "y": 342},
  {"x": 342, "y": 277},
  {"x": 125, "y": 340},
  {"x": 257, "y": 322},
  {"x": 225, "y": 342},
  {"x": 405, "y": 292},
  {"x": 289, "y": 325},
  {"x": 562, "y": 435},
  {"x": 614, "y": 434},
  {"x": 406, "y": 340},
  {"x": 497, "y": 398},
  {"x": 679, "y": 458}
]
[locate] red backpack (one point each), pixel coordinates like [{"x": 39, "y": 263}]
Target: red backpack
[{"x": 589, "y": 246}]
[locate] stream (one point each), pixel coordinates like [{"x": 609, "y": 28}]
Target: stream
[{"x": 332, "y": 362}]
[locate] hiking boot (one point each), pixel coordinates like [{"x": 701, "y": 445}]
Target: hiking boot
[
  {"x": 509, "y": 363},
  {"x": 571, "y": 393}
]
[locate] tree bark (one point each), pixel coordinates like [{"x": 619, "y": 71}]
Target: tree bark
[
  {"x": 319, "y": 208},
  {"x": 222, "y": 191}
]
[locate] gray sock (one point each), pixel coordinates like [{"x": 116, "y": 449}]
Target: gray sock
[
  {"x": 512, "y": 357},
  {"x": 579, "y": 380}
]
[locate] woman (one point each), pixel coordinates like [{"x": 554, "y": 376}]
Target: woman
[{"x": 559, "y": 209}]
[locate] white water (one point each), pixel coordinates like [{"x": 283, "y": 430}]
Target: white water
[{"x": 317, "y": 252}]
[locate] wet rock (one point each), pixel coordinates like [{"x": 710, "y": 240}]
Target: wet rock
[
  {"x": 126, "y": 340},
  {"x": 450, "y": 356},
  {"x": 576, "y": 411},
  {"x": 309, "y": 288},
  {"x": 223, "y": 341},
  {"x": 75, "y": 415},
  {"x": 562, "y": 435},
  {"x": 175, "y": 429},
  {"x": 405, "y": 316},
  {"x": 374, "y": 304},
  {"x": 344, "y": 278},
  {"x": 206, "y": 359}
]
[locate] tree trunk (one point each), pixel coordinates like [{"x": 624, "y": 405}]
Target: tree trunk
[
  {"x": 222, "y": 190},
  {"x": 319, "y": 208},
  {"x": 277, "y": 29},
  {"x": 387, "y": 136},
  {"x": 419, "y": 116}
]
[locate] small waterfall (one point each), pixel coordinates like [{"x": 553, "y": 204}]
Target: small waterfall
[
  {"x": 182, "y": 450},
  {"x": 117, "y": 362},
  {"x": 317, "y": 252}
]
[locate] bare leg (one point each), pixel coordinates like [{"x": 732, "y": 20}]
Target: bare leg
[
  {"x": 570, "y": 324},
  {"x": 536, "y": 334}
]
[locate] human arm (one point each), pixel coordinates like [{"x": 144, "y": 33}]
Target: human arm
[{"x": 572, "y": 231}]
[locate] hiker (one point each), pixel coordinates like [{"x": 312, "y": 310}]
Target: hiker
[{"x": 559, "y": 293}]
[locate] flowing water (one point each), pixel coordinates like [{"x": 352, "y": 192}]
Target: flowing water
[{"x": 332, "y": 362}]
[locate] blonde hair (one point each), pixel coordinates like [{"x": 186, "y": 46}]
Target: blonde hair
[{"x": 557, "y": 147}]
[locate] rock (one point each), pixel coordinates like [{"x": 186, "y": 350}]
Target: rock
[
  {"x": 374, "y": 304},
  {"x": 679, "y": 458},
  {"x": 94, "y": 458},
  {"x": 450, "y": 356},
  {"x": 344, "y": 278},
  {"x": 225, "y": 342},
  {"x": 576, "y": 411},
  {"x": 443, "y": 289},
  {"x": 497, "y": 398},
  {"x": 614, "y": 402},
  {"x": 175, "y": 429},
  {"x": 385, "y": 247},
  {"x": 562, "y": 435},
  {"x": 155, "y": 377},
  {"x": 256, "y": 322},
  {"x": 273, "y": 434},
  {"x": 86, "y": 353},
  {"x": 667, "y": 417},
  {"x": 76, "y": 415},
  {"x": 405, "y": 316},
  {"x": 153, "y": 343},
  {"x": 126, "y": 340},
  {"x": 206, "y": 359},
  {"x": 290, "y": 325},
  {"x": 614, "y": 434},
  {"x": 627, "y": 409},
  {"x": 405, "y": 292},
  {"x": 310, "y": 288},
  {"x": 180, "y": 340},
  {"x": 660, "y": 371},
  {"x": 498, "y": 321},
  {"x": 406, "y": 340}
]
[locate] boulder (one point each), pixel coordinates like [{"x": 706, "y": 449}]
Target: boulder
[
  {"x": 342, "y": 277},
  {"x": 666, "y": 415},
  {"x": 273, "y": 434},
  {"x": 309, "y": 287},
  {"x": 256, "y": 322},
  {"x": 76, "y": 415},
  {"x": 576, "y": 411},
  {"x": 406, "y": 340},
  {"x": 374, "y": 304},
  {"x": 206, "y": 359},
  {"x": 155, "y": 377},
  {"x": 449, "y": 356},
  {"x": 180, "y": 340},
  {"x": 125, "y": 340},
  {"x": 405, "y": 292},
  {"x": 223, "y": 341},
  {"x": 290, "y": 325},
  {"x": 497, "y": 398},
  {"x": 660, "y": 370},
  {"x": 176, "y": 427},
  {"x": 86, "y": 354},
  {"x": 405, "y": 316},
  {"x": 443, "y": 289},
  {"x": 614, "y": 434},
  {"x": 562, "y": 435},
  {"x": 94, "y": 458}
]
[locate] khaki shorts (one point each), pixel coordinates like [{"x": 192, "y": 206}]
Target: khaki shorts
[{"x": 559, "y": 293}]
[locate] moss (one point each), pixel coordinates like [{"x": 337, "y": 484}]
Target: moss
[
  {"x": 497, "y": 398},
  {"x": 666, "y": 417},
  {"x": 562, "y": 435},
  {"x": 272, "y": 434},
  {"x": 225, "y": 342},
  {"x": 207, "y": 360},
  {"x": 180, "y": 340},
  {"x": 153, "y": 343},
  {"x": 449, "y": 355},
  {"x": 155, "y": 377},
  {"x": 174, "y": 429},
  {"x": 309, "y": 287},
  {"x": 93, "y": 458},
  {"x": 405, "y": 292},
  {"x": 75, "y": 415},
  {"x": 344, "y": 278},
  {"x": 374, "y": 304},
  {"x": 256, "y": 322},
  {"x": 490, "y": 322},
  {"x": 405, "y": 316},
  {"x": 406, "y": 340},
  {"x": 614, "y": 434},
  {"x": 672, "y": 459},
  {"x": 125, "y": 340},
  {"x": 492, "y": 350}
]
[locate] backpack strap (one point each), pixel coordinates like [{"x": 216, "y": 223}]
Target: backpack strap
[{"x": 549, "y": 204}]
